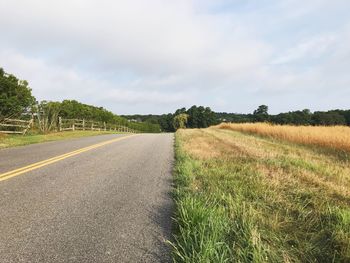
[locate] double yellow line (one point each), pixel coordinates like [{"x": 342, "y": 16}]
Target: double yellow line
[{"x": 37, "y": 165}]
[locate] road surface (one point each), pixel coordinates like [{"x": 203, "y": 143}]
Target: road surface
[{"x": 109, "y": 203}]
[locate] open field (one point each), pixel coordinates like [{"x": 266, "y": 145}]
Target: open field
[
  {"x": 7, "y": 141},
  {"x": 247, "y": 198},
  {"x": 334, "y": 137}
]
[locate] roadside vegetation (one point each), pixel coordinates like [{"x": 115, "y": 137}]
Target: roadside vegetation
[
  {"x": 17, "y": 102},
  {"x": 241, "y": 197},
  {"x": 7, "y": 140}
]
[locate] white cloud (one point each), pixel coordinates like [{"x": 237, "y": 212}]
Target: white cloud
[
  {"x": 162, "y": 54},
  {"x": 307, "y": 50}
]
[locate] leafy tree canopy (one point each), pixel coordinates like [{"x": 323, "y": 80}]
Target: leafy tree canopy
[
  {"x": 261, "y": 113},
  {"x": 15, "y": 96},
  {"x": 180, "y": 121}
]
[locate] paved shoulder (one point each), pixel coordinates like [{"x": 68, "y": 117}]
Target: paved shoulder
[{"x": 110, "y": 204}]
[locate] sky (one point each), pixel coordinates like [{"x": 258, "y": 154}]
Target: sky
[{"x": 155, "y": 56}]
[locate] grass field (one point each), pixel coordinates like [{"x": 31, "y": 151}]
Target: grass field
[
  {"x": 336, "y": 137},
  {"x": 247, "y": 198},
  {"x": 7, "y": 141}
]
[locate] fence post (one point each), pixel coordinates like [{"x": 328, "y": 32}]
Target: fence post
[
  {"x": 73, "y": 126},
  {"x": 32, "y": 121},
  {"x": 104, "y": 126},
  {"x": 92, "y": 126},
  {"x": 28, "y": 127},
  {"x": 60, "y": 124},
  {"x": 83, "y": 124}
]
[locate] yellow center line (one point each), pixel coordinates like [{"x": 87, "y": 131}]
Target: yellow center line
[{"x": 25, "y": 169}]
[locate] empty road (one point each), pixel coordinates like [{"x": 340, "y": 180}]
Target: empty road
[{"x": 96, "y": 199}]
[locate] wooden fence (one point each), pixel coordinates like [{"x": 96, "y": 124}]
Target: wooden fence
[
  {"x": 14, "y": 126},
  {"x": 86, "y": 125}
]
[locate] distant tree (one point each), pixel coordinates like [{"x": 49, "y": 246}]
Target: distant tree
[
  {"x": 193, "y": 119},
  {"x": 198, "y": 117},
  {"x": 294, "y": 117},
  {"x": 302, "y": 117},
  {"x": 166, "y": 122},
  {"x": 328, "y": 118},
  {"x": 15, "y": 96},
  {"x": 152, "y": 120},
  {"x": 180, "y": 121},
  {"x": 179, "y": 111},
  {"x": 262, "y": 109},
  {"x": 282, "y": 118},
  {"x": 344, "y": 113},
  {"x": 261, "y": 113},
  {"x": 201, "y": 117},
  {"x": 209, "y": 117}
]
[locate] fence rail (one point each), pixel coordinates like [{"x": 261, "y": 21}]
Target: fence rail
[
  {"x": 17, "y": 126},
  {"x": 87, "y": 125},
  {"x": 14, "y": 126}
]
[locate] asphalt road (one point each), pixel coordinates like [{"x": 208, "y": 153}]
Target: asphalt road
[{"x": 108, "y": 204}]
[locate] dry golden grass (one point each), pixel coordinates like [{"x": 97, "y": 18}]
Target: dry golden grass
[
  {"x": 202, "y": 148},
  {"x": 335, "y": 137},
  {"x": 299, "y": 164}
]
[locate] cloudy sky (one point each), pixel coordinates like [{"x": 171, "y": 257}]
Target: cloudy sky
[{"x": 154, "y": 56}]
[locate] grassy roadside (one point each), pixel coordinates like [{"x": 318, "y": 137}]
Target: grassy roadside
[
  {"x": 7, "y": 141},
  {"x": 243, "y": 198}
]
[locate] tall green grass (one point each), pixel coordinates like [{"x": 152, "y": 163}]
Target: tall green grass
[
  {"x": 201, "y": 225},
  {"x": 205, "y": 231},
  {"x": 226, "y": 211}
]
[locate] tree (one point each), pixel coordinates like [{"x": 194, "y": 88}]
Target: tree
[
  {"x": 179, "y": 111},
  {"x": 166, "y": 122},
  {"x": 47, "y": 113},
  {"x": 200, "y": 117},
  {"x": 328, "y": 118},
  {"x": 293, "y": 117},
  {"x": 15, "y": 96},
  {"x": 261, "y": 113},
  {"x": 180, "y": 121},
  {"x": 193, "y": 118}
]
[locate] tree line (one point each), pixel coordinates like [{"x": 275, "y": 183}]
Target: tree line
[
  {"x": 300, "y": 117},
  {"x": 193, "y": 117},
  {"x": 16, "y": 100},
  {"x": 202, "y": 117}
]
